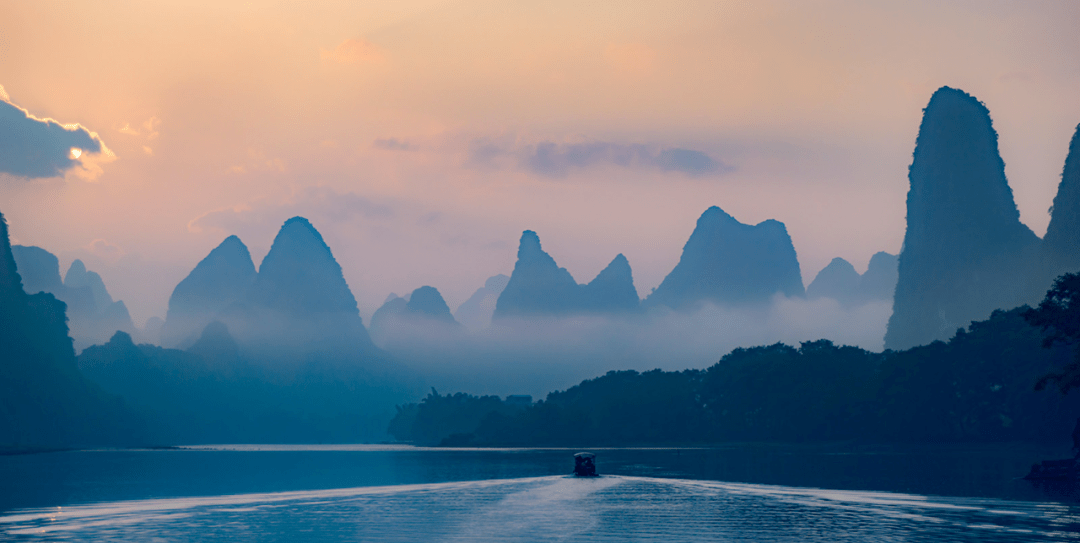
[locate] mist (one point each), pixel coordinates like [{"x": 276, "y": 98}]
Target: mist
[{"x": 537, "y": 355}]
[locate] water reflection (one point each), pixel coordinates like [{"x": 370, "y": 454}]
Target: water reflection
[{"x": 556, "y": 508}]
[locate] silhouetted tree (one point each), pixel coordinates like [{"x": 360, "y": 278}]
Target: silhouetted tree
[{"x": 1059, "y": 315}]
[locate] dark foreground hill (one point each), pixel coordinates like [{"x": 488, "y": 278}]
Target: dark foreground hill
[{"x": 44, "y": 401}]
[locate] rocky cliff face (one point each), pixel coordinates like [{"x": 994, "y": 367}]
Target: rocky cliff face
[
  {"x": 1061, "y": 245},
  {"x": 965, "y": 251},
  {"x": 475, "y": 313},
  {"x": 730, "y": 263},
  {"x": 218, "y": 281}
]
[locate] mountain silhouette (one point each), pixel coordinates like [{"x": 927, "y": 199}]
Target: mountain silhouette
[
  {"x": 879, "y": 280},
  {"x": 399, "y": 320},
  {"x": 44, "y": 400},
  {"x": 93, "y": 315},
  {"x": 39, "y": 269},
  {"x": 965, "y": 251},
  {"x": 77, "y": 277},
  {"x": 298, "y": 299},
  {"x": 428, "y": 302},
  {"x": 838, "y": 281},
  {"x": 475, "y": 313},
  {"x": 218, "y": 281},
  {"x": 538, "y": 286},
  {"x": 216, "y": 345},
  {"x": 613, "y": 289},
  {"x": 842, "y": 283},
  {"x": 105, "y": 316},
  {"x": 731, "y": 263},
  {"x": 1061, "y": 245}
]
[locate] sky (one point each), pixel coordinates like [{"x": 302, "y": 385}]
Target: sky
[{"x": 422, "y": 136}]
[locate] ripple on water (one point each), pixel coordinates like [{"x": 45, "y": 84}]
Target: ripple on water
[{"x": 555, "y": 509}]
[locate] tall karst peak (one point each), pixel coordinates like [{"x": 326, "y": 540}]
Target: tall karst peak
[
  {"x": 218, "y": 281},
  {"x": 728, "y": 262},
  {"x": 613, "y": 289},
  {"x": 78, "y": 276},
  {"x": 538, "y": 285},
  {"x": 299, "y": 298},
  {"x": 529, "y": 249},
  {"x": 957, "y": 174},
  {"x": 1062, "y": 241},
  {"x": 965, "y": 251},
  {"x": 300, "y": 274}
]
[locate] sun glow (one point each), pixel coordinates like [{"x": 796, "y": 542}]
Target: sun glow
[{"x": 75, "y": 153}]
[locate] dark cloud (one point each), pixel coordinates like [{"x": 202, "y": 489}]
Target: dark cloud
[
  {"x": 689, "y": 161},
  {"x": 483, "y": 153},
  {"x": 31, "y": 147},
  {"x": 392, "y": 144},
  {"x": 558, "y": 159}
]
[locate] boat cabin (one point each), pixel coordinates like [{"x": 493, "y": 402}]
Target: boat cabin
[{"x": 585, "y": 464}]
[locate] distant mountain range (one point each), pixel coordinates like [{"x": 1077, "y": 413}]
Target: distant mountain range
[
  {"x": 399, "y": 318},
  {"x": 298, "y": 300},
  {"x": 727, "y": 262},
  {"x": 538, "y": 286},
  {"x": 92, "y": 314},
  {"x": 842, "y": 283}
]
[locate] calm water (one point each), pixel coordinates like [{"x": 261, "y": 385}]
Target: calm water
[{"x": 373, "y": 493}]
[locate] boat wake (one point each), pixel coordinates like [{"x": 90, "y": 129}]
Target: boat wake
[{"x": 608, "y": 508}]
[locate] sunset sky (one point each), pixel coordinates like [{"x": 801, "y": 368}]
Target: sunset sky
[{"x": 421, "y": 137}]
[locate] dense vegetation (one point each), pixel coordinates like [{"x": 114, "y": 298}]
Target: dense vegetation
[{"x": 977, "y": 387}]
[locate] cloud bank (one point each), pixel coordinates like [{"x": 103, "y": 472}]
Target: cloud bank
[
  {"x": 36, "y": 148},
  {"x": 552, "y": 159}
]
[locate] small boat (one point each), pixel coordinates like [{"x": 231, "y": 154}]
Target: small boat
[{"x": 585, "y": 464}]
